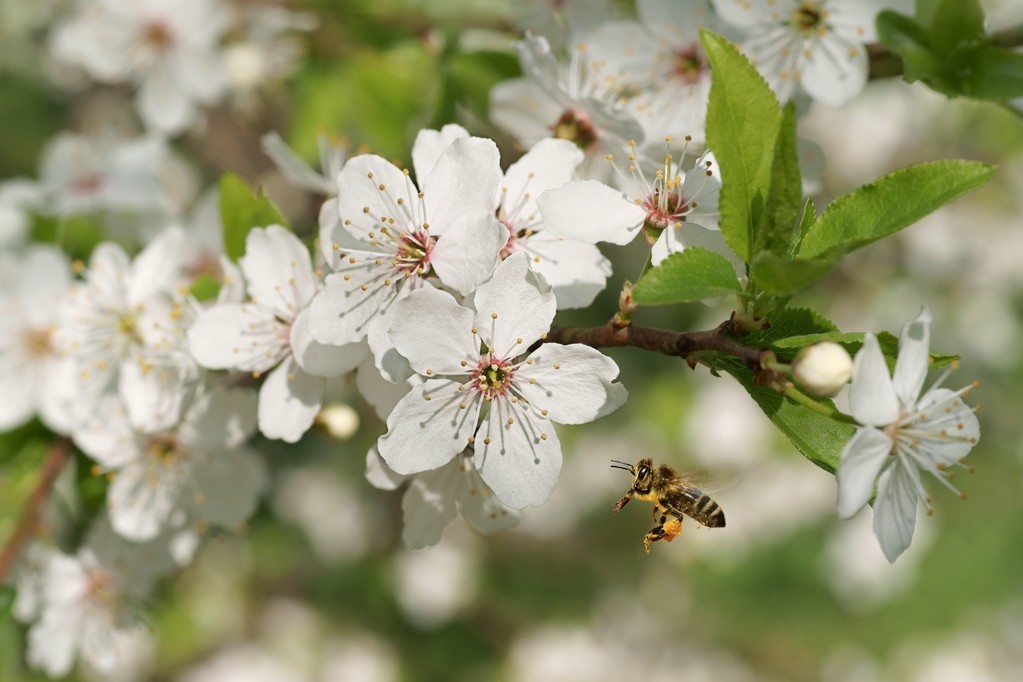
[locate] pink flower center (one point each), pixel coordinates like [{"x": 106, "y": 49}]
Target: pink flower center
[
  {"x": 665, "y": 208},
  {"x": 164, "y": 448},
  {"x": 689, "y": 65},
  {"x": 511, "y": 246},
  {"x": 492, "y": 377},
  {"x": 89, "y": 184},
  {"x": 158, "y": 35},
  {"x": 413, "y": 253},
  {"x": 575, "y": 126}
]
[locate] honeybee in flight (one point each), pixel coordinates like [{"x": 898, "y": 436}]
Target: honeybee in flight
[{"x": 674, "y": 496}]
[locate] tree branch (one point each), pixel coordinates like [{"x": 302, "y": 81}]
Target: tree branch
[
  {"x": 56, "y": 459},
  {"x": 682, "y": 344}
]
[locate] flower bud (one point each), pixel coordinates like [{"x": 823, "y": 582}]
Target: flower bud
[
  {"x": 823, "y": 368},
  {"x": 339, "y": 420}
]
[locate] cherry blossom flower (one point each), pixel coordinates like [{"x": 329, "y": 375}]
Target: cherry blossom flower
[
  {"x": 123, "y": 328},
  {"x": 394, "y": 237},
  {"x": 817, "y": 45},
  {"x": 169, "y": 49},
  {"x": 34, "y": 378},
  {"x": 501, "y": 399},
  {"x": 577, "y": 271},
  {"x": 198, "y": 467},
  {"x": 574, "y": 100},
  {"x": 902, "y": 433},
  {"x": 271, "y": 334},
  {"x": 674, "y": 210}
]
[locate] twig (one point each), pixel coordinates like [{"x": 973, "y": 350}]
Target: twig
[{"x": 56, "y": 459}]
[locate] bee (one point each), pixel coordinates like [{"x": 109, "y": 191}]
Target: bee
[{"x": 675, "y": 496}]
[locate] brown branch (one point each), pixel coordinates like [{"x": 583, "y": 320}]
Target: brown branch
[
  {"x": 667, "y": 342},
  {"x": 58, "y": 456}
]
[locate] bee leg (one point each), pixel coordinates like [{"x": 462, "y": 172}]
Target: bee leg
[
  {"x": 622, "y": 502},
  {"x": 656, "y": 533}
]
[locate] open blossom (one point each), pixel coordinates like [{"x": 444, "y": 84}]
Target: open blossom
[
  {"x": 34, "y": 378},
  {"x": 394, "y": 237},
  {"x": 196, "y": 471},
  {"x": 123, "y": 327},
  {"x": 482, "y": 387},
  {"x": 575, "y": 101},
  {"x": 169, "y": 49},
  {"x": 271, "y": 334},
  {"x": 817, "y": 45},
  {"x": 902, "y": 434},
  {"x": 674, "y": 210},
  {"x": 575, "y": 270}
]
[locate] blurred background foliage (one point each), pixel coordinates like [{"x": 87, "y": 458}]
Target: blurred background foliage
[{"x": 319, "y": 583}]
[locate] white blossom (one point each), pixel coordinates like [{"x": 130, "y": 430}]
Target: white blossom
[
  {"x": 902, "y": 433},
  {"x": 673, "y": 209},
  {"x": 169, "y": 49},
  {"x": 574, "y": 100},
  {"x": 34, "y": 378},
  {"x": 123, "y": 327},
  {"x": 195, "y": 471},
  {"x": 271, "y": 334},
  {"x": 394, "y": 237},
  {"x": 500, "y": 398},
  {"x": 817, "y": 45}
]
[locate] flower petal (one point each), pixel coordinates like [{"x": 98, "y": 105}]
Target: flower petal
[
  {"x": 227, "y": 487},
  {"x": 363, "y": 205},
  {"x": 247, "y": 337},
  {"x": 862, "y": 459},
  {"x": 429, "y": 506},
  {"x": 380, "y": 393},
  {"x": 835, "y": 70},
  {"x": 379, "y": 475},
  {"x": 577, "y": 272},
  {"x": 524, "y": 109},
  {"x": 289, "y": 401},
  {"x": 142, "y": 496},
  {"x": 520, "y": 461},
  {"x": 278, "y": 270},
  {"x": 430, "y": 145},
  {"x": 463, "y": 184},
  {"x": 952, "y": 430},
  {"x": 468, "y": 252},
  {"x": 549, "y": 164},
  {"x": 570, "y": 384},
  {"x": 514, "y": 307},
  {"x": 895, "y": 509},
  {"x": 433, "y": 348},
  {"x": 320, "y": 359},
  {"x": 391, "y": 365},
  {"x": 427, "y": 428},
  {"x": 914, "y": 352},
  {"x": 293, "y": 167},
  {"x": 591, "y": 212},
  {"x": 480, "y": 506},
  {"x": 157, "y": 268},
  {"x": 872, "y": 398},
  {"x": 343, "y": 311},
  {"x": 219, "y": 418}
]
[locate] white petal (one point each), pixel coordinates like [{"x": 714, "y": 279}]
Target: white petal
[
  {"x": 361, "y": 202},
  {"x": 572, "y": 383},
  {"x": 425, "y": 434},
  {"x": 162, "y": 105},
  {"x": 227, "y": 486},
  {"x": 872, "y": 398},
  {"x": 468, "y": 252},
  {"x": 577, "y": 272},
  {"x": 430, "y": 145},
  {"x": 289, "y": 401},
  {"x": 153, "y": 395},
  {"x": 293, "y": 167},
  {"x": 382, "y": 394},
  {"x": 380, "y": 475},
  {"x": 158, "y": 267},
  {"x": 548, "y": 165},
  {"x": 45, "y": 275},
  {"x": 108, "y": 271},
  {"x": 247, "y": 337},
  {"x": 480, "y": 506},
  {"x": 433, "y": 348},
  {"x": 463, "y": 184},
  {"x": 54, "y": 639},
  {"x": 388, "y": 362},
  {"x": 895, "y": 510},
  {"x": 320, "y": 359},
  {"x": 675, "y": 22},
  {"x": 141, "y": 498},
  {"x": 429, "y": 506},
  {"x": 835, "y": 71},
  {"x": 278, "y": 270},
  {"x": 219, "y": 418},
  {"x": 522, "y": 461},
  {"x": 107, "y": 437},
  {"x": 342, "y": 312},
  {"x": 514, "y": 308},
  {"x": 862, "y": 459},
  {"x": 591, "y": 212},
  {"x": 914, "y": 353},
  {"x": 524, "y": 109},
  {"x": 950, "y": 434}
]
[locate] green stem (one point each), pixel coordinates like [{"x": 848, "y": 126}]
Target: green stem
[{"x": 797, "y": 396}]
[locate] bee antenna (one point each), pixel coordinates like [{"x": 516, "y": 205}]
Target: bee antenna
[{"x": 624, "y": 466}]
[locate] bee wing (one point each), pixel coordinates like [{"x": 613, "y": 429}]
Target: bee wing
[{"x": 711, "y": 480}]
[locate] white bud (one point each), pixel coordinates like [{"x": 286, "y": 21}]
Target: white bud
[
  {"x": 339, "y": 420},
  {"x": 823, "y": 368}
]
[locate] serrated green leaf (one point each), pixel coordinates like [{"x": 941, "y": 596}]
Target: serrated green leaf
[
  {"x": 908, "y": 39},
  {"x": 777, "y": 227},
  {"x": 242, "y": 209},
  {"x": 692, "y": 275},
  {"x": 743, "y": 120},
  {"x": 778, "y": 275},
  {"x": 956, "y": 26},
  {"x": 889, "y": 204},
  {"x": 791, "y": 322},
  {"x": 807, "y": 220},
  {"x": 817, "y": 437},
  {"x": 996, "y": 74}
]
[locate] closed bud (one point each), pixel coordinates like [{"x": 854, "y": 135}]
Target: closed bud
[
  {"x": 339, "y": 420},
  {"x": 823, "y": 368}
]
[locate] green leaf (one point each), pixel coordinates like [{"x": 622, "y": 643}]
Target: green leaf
[
  {"x": 805, "y": 223},
  {"x": 692, "y": 275},
  {"x": 205, "y": 288},
  {"x": 956, "y": 26},
  {"x": 791, "y": 322},
  {"x": 777, "y": 227},
  {"x": 996, "y": 74},
  {"x": 818, "y": 437},
  {"x": 242, "y": 209},
  {"x": 778, "y": 275},
  {"x": 743, "y": 121},
  {"x": 910, "y": 41},
  {"x": 889, "y": 204}
]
